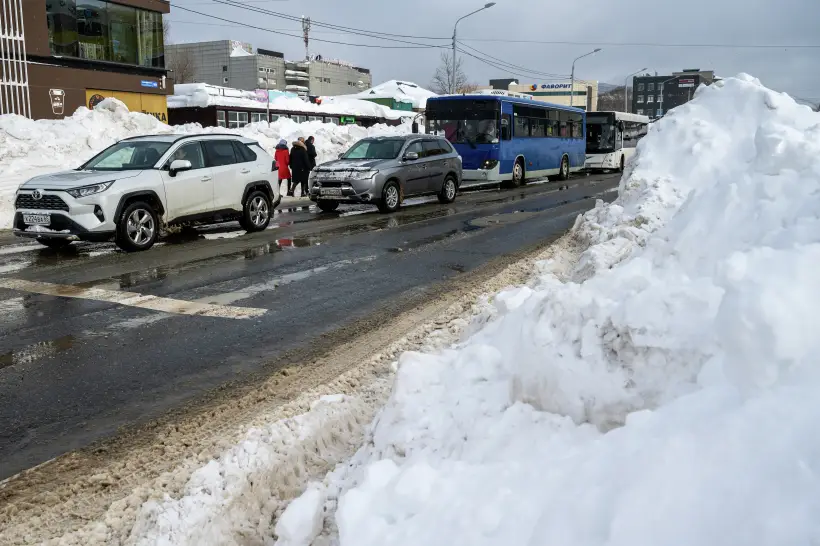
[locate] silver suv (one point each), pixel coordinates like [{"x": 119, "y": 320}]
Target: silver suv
[{"x": 383, "y": 171}]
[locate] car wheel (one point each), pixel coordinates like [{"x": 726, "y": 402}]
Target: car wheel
[
  {"x": 54, "y": 243},
  {"x": 621, "y": 168},
  {"x": 518, "y": 174},
  {"x": 563, "y": 174},
  {"x": 448, "y": 190},
  {"x": 256, "y": 212},
  {"x": 138, "y": 227},
  {"x": 391, "y": 197},
  {"x": 327, "y": 206}
]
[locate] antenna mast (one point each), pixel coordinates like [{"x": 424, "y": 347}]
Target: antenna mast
[{"x": 306, "y": 34}]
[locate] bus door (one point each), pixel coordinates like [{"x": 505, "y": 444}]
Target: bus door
[{"x": 506, "y": 152}]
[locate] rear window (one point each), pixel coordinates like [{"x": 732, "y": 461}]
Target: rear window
[
  {"x": 432, "y": 148},
  {"x": 220, "y": 152},
  {"x": 445, "y": 146}
]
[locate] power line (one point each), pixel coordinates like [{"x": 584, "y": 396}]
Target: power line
[
  {"x": 420, "y": 46},
  {"x": 505, "y": 63},
  {"x": 179, "y": 22},
  {"x": 351, "y": 30},
  {"x": 646, "y": 44},
  {"x": 503, "y": 68}
]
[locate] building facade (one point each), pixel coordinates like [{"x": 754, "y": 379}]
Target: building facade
[
  {"x": 235, "y": 64},
  {"x": 63, "y": 54},
  {"x": 226, "y": 63},
  {"x": 583, "y": 95},
  {"x": 654, "y": 95}
]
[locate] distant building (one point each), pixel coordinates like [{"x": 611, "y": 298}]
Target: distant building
[
  {"x": 653, "y": 96},
  {"x": 584, "y": 95},
  {"x": 235, "y": 64}
]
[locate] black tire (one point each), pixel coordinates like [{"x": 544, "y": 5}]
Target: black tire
[
  {"x": 56, "y": 244},
  {"x": 563, "y": 174},
  {"x": 256, "y": 212},
  {"x": 519, "y": 174},
  {"x": 448, "y": 190},
  {"x": 327, "y": 206},
  {"x": 138, "y": 227},
  {"x": 623, "y": 164},
  {"x": 391, "y": 198}
]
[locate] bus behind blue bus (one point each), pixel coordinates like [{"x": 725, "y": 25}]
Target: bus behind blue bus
[{"x": 509, "y": 138}]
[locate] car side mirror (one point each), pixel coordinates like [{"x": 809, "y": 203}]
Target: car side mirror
[
  {"x": 411, "y": 156},
  {"x": 179, "y": 165}
]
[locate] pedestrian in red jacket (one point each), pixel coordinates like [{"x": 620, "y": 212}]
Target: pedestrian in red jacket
[{"x": 282, "y": 157}]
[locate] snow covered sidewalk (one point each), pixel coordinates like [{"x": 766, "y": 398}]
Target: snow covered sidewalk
[{"x": 663, "y": 392}]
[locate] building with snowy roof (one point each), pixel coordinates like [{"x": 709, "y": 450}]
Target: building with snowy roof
[
  {"x": 236, "y": 65},
  {"x": 397, "y": 95},
  {"x": 218, "y": 106}
]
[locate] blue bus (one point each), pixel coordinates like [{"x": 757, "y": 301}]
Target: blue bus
[{"x": 507, "y": 138}]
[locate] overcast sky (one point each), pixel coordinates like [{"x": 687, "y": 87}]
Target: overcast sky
[{"x": 737, "y": 22}]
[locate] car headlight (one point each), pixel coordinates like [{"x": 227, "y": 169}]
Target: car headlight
[
  {"x": 85, "y": 191},
  {"x": 362, "y": 175}
]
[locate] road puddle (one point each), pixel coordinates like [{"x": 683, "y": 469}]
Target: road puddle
[{"x": 36, "y": 351}]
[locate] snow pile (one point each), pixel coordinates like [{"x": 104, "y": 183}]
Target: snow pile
[
  {"x": 200, "y": 95},
  {"x": 404, "y": 91},
  {"x": 666, "y": 393},
  {"x": 29, "y": 148}
]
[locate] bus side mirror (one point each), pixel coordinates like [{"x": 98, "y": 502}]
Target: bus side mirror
[
  {"x": 505, "y": 132},
  {"x": 620, "y": 125}
]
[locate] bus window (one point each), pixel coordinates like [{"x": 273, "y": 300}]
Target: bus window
[
  {"x": 552, "y": 123},
  {"x": 505, "y": 127},
  {"x": 564, "y": 124}
]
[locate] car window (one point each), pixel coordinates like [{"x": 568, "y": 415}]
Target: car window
[
  {"x": 416, "y": 147},
  {"x": 245, "y": 154},
  {"x": 220, "y": 152},
  {"x": 191, "y": 152},
  {"x": 445, "y": 147},
  {"x": 431, "y": 148}
]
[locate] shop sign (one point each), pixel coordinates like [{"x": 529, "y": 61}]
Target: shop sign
[
  {"x": 556, "y": 86},
  {"x": 149, "y": 83}
]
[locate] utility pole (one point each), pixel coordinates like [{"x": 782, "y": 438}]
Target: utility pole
[
  {"x": 454, "y": 70},
  {"x": 626, "y": 89},
  {"x": 572, "y": 77},
  {"x": 306, "y": 34}
]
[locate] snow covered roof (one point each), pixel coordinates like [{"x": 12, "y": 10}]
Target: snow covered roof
[
  {"x": 202, "y": 95},
  {"x": 399, "y": 90}
]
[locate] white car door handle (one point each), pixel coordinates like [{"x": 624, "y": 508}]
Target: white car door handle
[
  {"x": 245, "y": 171},
  {"x": 206, "y": 179}
]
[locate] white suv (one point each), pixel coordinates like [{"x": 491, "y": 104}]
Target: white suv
[{"x": 139, "y": 185}]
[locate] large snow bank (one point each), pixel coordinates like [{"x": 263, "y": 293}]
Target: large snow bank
[
  {"x": 29, "y": 148},
  {"x": 665, "y": 392}
]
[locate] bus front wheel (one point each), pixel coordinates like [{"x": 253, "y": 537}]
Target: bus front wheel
[
  {"x": 563, "y": 174},
  {"x": 621, "y": 168},
  {"x": 518, "y": 174}
]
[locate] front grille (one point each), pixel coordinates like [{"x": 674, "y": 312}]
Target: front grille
[
  {"x": 48, "y": 202},
  {"x": 330, "y": 184}
]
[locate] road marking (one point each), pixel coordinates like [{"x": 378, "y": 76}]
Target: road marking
[{"x": 132, "y": 299}]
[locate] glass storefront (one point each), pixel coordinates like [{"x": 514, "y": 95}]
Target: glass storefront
[{"x": 104, "y": 31}]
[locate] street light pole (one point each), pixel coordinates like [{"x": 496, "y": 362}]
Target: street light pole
[
  {"x": 455, "y": 30},
  {"x": 626, "y": 89},
  {"x": 572, "y": 77}
]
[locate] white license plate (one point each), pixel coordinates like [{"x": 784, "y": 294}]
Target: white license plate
[
  {"x": 332, "y": 191},
  {"x": 37, "y": 219}
]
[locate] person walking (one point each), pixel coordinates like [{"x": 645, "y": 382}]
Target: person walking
[
  {"x": 300, "y": 166},
  {"x": 311, "y": 151},
  {"x": 282, "y": 157}
]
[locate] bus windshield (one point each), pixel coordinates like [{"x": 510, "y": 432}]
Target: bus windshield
[
  {"x": 464, "y": 121},
  {"x": 600, "y": 134}
]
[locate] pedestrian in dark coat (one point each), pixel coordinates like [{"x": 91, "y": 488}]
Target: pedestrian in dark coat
[
  {"x": 300, "y": 166},
  {"x": 311, "y": 151}
]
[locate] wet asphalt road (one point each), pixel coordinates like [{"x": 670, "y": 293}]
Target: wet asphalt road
[{"x": 75, "y": 370}]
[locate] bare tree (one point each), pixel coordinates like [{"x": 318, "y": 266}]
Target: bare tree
[
  {"x": 180, "y": 62},
  {"x": 166, "y": 31},
  {"x": 443, "y": 79},
  {"x": 468, "y": 88},
  {"x": 612, "y": 100}
]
